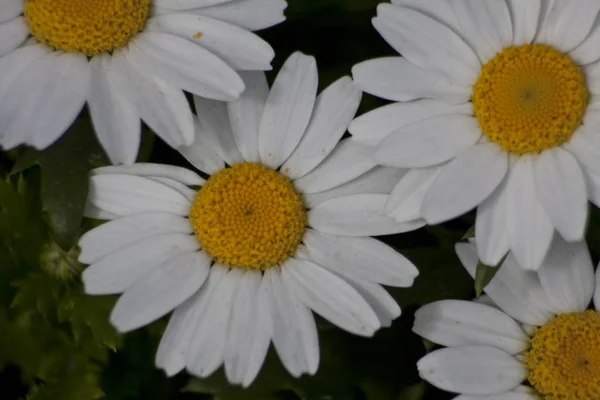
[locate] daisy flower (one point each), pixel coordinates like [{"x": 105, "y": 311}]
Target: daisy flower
[
  {"x": 128, "y": 60},
  {"x": 533, "y": 338},
  {"x": 281, "y": 227},
  {"x": 496, "y": 108}
]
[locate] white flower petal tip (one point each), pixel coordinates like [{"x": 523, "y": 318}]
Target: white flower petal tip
[
  {"x": 330, "y": 297},
  {"x": 183, "y": 175},
  {"x": 459, "y": 323},
  {"x": 288, "y": 109},
  {"x": 474, "y": 370}
]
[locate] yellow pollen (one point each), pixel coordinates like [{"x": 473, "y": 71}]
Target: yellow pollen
[
  {"x": 529, "y": 98},
  {"x": 86, "y": 26},
  {"x": 249, "y": 216},
  {"x": 564, "y": 360}
]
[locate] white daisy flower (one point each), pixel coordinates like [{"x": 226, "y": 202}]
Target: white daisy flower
[
  {"x": 279, "y": 229},
  {"x": 497, "y": 108},
  {"x": 535, "y": 330},
  {"x": 128, "y": 60}
]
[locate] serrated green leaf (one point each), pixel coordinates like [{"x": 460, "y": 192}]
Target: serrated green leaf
[{"x": 65, "y": 168}]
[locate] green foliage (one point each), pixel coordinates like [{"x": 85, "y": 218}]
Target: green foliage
[{"x": 65, "y": 169}]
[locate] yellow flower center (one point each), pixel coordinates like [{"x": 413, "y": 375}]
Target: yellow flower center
[
  {"x": 86, "y": 26},
  {"x": 249, "y": 216},
  {"x": 564, "y": 360},
  {"x": 529, "y": 98}
]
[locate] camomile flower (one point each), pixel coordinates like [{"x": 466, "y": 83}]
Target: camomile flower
[
  {"x": 129, "y": 60},
  {"x": 280, "y": 227},
  {"x": 496, "y": 107},
  {"x": 533, "y": 337}
]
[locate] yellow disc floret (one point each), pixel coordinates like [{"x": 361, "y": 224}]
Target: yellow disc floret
[
  {"x": 530, "y": 98},
  {"x": 564, "y": 360},
  {"x": 249, "y": 216},
  {"x": 86, "y": 26}
]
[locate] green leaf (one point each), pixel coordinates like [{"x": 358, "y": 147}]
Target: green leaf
[
  {"x": 483, "y": 276},
  {"x": 65, "y": 168}
]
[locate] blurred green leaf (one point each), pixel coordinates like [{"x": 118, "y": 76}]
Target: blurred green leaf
[
  {"x": 483, "y": 276},
  {"x": 65, "y": 168}
]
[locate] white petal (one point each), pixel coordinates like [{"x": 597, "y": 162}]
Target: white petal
[
  {"x": 585, "y": 144},
  {"x": 333, "y": 111},
  {"x": 174, "y": 344},
  {"x": 186, "y": 65},
  {"x": 465, "y": 182},
  {"x": 560, "y": 187},
  {"x": 592, "y": 181},
  {"x": 245, "y": 114},
  {"x": 294, "y": 330},
  {"x": 404, "y": 203},
  {"x": 378, "y": 180},
  {"x": 357, "y": 215},
  {"x": 114, "y": 115},
  {"x": 214, "y": 125},
  {"x": 246, "y": 329},
  {"x": 240, "y": 49},
  {"x": 160, "y": 291},
  {"x": 186, "y": 4},
  {"x": 461, "y": 323},
  {"x": 114, "y": 235},
  {"x": 597, "y": 290},
  {"x": 288, "y": 109},
  {"x": 24, "y": 91},
  {"x": 188, "y": 193},
  {"x": 528, "y": 227},
  {"x": 428, "y": 142},
  {"x": 524, "y": 16},
  {"x": 440, "y": 11},
  {"x": 371, "y": 128},
  {"x": 205, "y": 152},
  {"x": 59, "y": 104},
  {"x": 592, "y": 75},
  {"x": 263, "y": 332},
  {"x": 427, "y": 43},
  {"x": 118, "y": 271},
  {"x": 329, "y": 296},
  {"x": 514, "y": 395},
  {"x": 516, "y": 291},
  {"x": 588, "y": 50},
  {"x": 12, "y": 65},
  {"x": 486, "y": 25},
  {"x": 180, "y": 174},
  {"x": 162, "y": 106},
  {"x": 94, "y": 212},
  {"x": 472, "y": 370},
  {"x": 129, "y": 194},
  {"x": 250, "y": 14},
  {"x": 11, "y": 9},
  {"x": 490, "y": 227},
  {"x": 384, "y": 305},
  {"x": 548, "y": 8},
  {"x": 364, "y": 259},
  {"x": 12, "y": 34},
  {"x": 207, "y": 347},
  {"x": 397, "y": 79},
  {"x": 567, "y": 277},
  {"x": 348, "y": 161},
  {"x": 568, "y": 25}
]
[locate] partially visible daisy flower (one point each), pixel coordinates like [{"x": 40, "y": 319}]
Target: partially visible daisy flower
[
  {"x": 129, "y": 60},
  {"x": 497, "y": 108},
  {"x": 533, "y": 329},
  {"x": 281, "y": 227}
]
